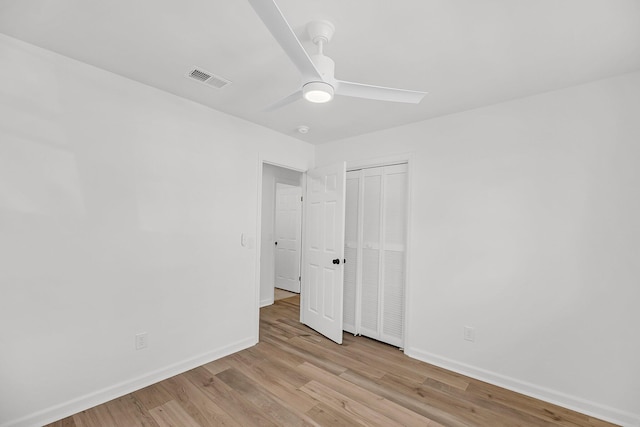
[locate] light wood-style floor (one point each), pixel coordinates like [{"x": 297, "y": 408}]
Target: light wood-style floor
[
  {"x": 296, "y": 377},
  {"x": 279, "y": 294}
]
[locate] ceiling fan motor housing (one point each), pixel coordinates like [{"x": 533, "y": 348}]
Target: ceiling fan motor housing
[
  {"x": 320, "y": 30},
  {"x": 325, "y": 66}
]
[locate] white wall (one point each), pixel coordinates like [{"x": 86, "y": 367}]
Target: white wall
[
  {"x": 526, "y": 226},
  {"x": 121, "y": 210},
  {"x": 270, "y": 176}
]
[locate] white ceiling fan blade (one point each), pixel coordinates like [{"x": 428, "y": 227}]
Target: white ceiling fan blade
[
  {"x": 359, "y": 90},
  {"x": 284, "y": 101},
  {"x": 275, "y": 22}
]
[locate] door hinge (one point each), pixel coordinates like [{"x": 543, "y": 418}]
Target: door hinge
[
  {"x": 299, "y": 278},
  {"x": 301, "y": 198}
]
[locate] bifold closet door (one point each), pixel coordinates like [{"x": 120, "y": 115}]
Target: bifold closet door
[
  {"x": 394, "y": 213},
  {"x": 351, "y": 224},
  {"x": 370, "y": 250},
  {"x": 375, "y": 224}
]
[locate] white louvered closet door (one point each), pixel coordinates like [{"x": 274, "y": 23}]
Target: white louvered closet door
[
  {"x": 352, "y": 202},
  {"x": 375, "y": 230}
]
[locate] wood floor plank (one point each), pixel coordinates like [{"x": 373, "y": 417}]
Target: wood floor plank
[
  {"x": 80, "y": 420},
  {"x": 350, "y": 407},
  {"x": 268, "y": 351},
  {"x": 400, "y": 364},
  {"x": 528, "y": 405},
  {"x": 455, "y": 381},
  {"x": 267, "y": 375},
  {"x": 464, "y": 409},
  {"x": 152, "y": 396},
  {"x": 504, "y": 411},
  {"x": 196, "y": 403},
  {"x": 96, "y": 416},
  {"x": 217, "y": 365},
  {"x": 127, "y": 412},
  {"x": 408, "y": 401},
  {"x": 328, "y": 365},
  {"x": 284, "y": 330},
  {"x": 269, "y": 405},
  {"x": 392, "y": 410},
  {"x": 337, "y": 355},
  {"x": 241, "y": 410},
  {"x": 171, "y": 414},
  {"x": 325, "y": 415},
  {"x": 285, "y": 372},
  {"x": 301, "y": 329},
  {"x": 381, "y": 362}
]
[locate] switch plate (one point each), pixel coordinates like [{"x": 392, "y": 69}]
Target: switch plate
[
  {"x": 141, "y": 340},
  {"x": 469, "y": 333}
]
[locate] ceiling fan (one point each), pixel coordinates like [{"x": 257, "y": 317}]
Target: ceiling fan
[{"x": 318, "y": 82}]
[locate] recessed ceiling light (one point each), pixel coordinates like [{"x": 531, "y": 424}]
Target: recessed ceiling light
[{"x": 303, "y": 129}]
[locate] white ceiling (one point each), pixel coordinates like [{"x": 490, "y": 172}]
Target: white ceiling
[{"x": 465, "y": 53}]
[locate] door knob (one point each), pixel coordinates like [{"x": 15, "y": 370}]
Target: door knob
[
  {"x": 276, "y": 243},
  {"x": 336, "y": 261}
]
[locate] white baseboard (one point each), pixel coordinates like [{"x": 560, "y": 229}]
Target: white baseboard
[
  {"x": 99, "y": 397},
  {"x": 266, "y": 302},
  {"x": 548, "y": 395}
]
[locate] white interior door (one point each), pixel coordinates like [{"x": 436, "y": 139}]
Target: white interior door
[
  {"x": 287, "y": 237},
  {"x": 323, "y": 251}
]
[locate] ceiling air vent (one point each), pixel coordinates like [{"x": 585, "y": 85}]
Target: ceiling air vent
[{"x": 208, "y": 78}]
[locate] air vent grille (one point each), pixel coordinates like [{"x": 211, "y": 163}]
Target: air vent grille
[
  {"x": 199, "y": 75},
  {"x": 208, "y": 78}
]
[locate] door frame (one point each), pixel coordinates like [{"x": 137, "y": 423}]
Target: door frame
[
  {"x": 351, "y": 165},
  {"x": 262, "y": 160}
]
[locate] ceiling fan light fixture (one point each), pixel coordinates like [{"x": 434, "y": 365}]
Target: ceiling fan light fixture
[{"x": 317, "y": 92}]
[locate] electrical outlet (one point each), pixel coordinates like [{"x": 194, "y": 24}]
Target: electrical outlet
[
  {"x": 469, "y": 333},
  {"x": 141, "y": 340}
]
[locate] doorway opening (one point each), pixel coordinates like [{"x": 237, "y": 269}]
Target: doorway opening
[
  {"x": 280, "y": 237},
  {"x": 329, "y": 289}
]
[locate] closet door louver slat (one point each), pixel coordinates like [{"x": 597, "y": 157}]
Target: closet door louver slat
[
  {"x": 370, "y": 291},
  {"x": 393, "y": 310}
]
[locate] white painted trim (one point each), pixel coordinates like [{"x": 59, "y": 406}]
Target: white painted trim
[
  {"x": 408, "y": 251},
  {"x": 379, "y": 161},
  {"x": 259, "y": 303},
  {"x": 257, "y": 278},
  {"x": 303, "y": 236},
  {"x": 266, "y": 302},
  {"x": 99, "y": 397},
  {"x": 555, "y": 397},
  {"x": 282, "y": 165}
]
